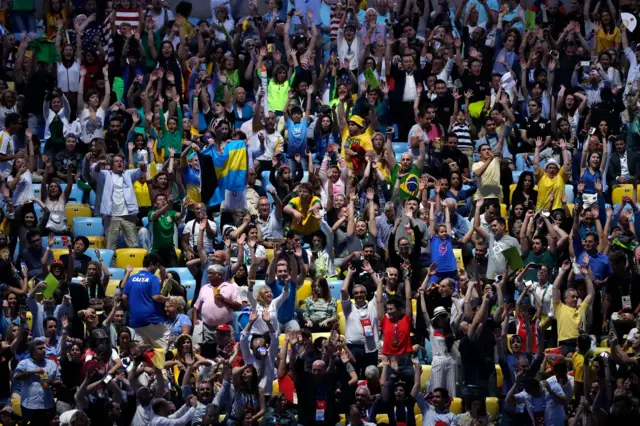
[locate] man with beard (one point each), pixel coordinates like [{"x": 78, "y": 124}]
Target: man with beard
[
  {"x": 444, "y": 99},
  {"x": 361, "y": 232}
]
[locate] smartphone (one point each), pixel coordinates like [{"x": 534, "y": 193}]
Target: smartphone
[
  {"x": 584, "y": 63},
  {"x": 536, "y": 266},
  {"x": 592, "y": 131},
  {"x": 107, "y": 379}
]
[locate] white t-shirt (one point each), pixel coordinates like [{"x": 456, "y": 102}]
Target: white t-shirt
[
  {"x": 7, "y": 147},
  {"x": 272, "y": 144},
  {"x": 355, "y": 333},
  {"x": 159, "y": 19},
  {"x": 23, "y": 190},
  {"x": 91, "y": 127},
  {"x": 69, "y": 78},
  {"x": 193, "y": 229},
  {"x": 118, "y": 208}
]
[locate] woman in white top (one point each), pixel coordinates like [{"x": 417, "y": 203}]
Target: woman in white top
[
  {"x": 20, "y": 183},
  {"x": 441, "y": 337},
  {"x": 253, "y": 236},
  {"x": 567, "y": 107},
  {"x": 55, "y": 200},
  {"x": 68, "y": 69},
  {"x": 262, "y": 301},
  {"x": 91, "y": 113}
]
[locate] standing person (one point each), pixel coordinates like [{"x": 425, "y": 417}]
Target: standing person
[
  {"x": 192, "y": 230},
  {"x": 216, "y": 302},
  {"x": 553, "y": 178},
  {"x": 361, "y": 318},
  {"x": 119, "y": 207},
  {"x": 568, "y": 314},
  {"x": 146, "y": 307},
  {"x": 289, "y": 270},
  {"x": 498, "y": 239},
  {"x": 12, "y": 125},
  {"x": 488, "y": 170},
  {"x": 164, "y": 222},
  {"x": 37, "y": 375}
]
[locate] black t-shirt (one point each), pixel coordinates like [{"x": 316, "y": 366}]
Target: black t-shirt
[
  {"x": 478, "y": 84},
  {"x": 5, "y": 360},
  {"x": 81, "y": 263},
  {"x": 628, "y": 286},
  {"x": 536, "y": 128},
  {"x": 70, "y": 376},
  {"x": 444, "y": 109},
  {"x": 478, "y": 354},
  {"x": 313, "y": 396},
  {"x": 400, "y": 413},
  {"x": 457, "y": 156}
]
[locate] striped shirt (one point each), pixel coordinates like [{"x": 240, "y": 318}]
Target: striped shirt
[{"x": 462, "y": 132}]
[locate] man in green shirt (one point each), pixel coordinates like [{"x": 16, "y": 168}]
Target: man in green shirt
[{"x": 164, "y": 222}]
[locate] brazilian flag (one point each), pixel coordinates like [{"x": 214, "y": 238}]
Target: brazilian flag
[{"x": 409, "y": 183}]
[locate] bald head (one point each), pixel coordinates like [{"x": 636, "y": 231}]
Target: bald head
[
  {"x": 318, "y": 368},
  {"x": 451, "y": 204}
]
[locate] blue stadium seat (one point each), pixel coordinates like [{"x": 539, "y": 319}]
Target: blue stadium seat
[
  {"x": 92, "y": 199},
  {"x": 187, "y": 280},
  {"x": 568, "y": 190},
  {"x": 117, "y": 273},
  {"x": 105, "y": 254},
  {"x": 399, "y": 147},
  {"x": 88, "y": 227},
  {"x": 335, "y": 286},
  {"x": 516, "y": 175},
  {"x": 38, "y": 210},
  {"x": 76, "y": 195},
  {"x": 36, "y": 192},
  {"x": 58, "y": 242}
]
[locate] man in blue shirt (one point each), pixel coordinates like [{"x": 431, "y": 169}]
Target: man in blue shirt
[
  {"x": 38, "y": 376},
  {"x": 297, "y": 125},
  {"x": 142, "y": 290},
  {"x": 281, "y": 270},
  {"x": 588, "y": 246}
]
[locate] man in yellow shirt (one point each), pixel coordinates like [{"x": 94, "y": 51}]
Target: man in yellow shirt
[
  {"x": 569, "y": 315},
  {"x": 553, "y": 179},
  {"x": 305, "y": 210},
  {"x": 354, "y": 133}
]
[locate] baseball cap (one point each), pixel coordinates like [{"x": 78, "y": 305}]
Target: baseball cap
[
  {"x": 439, "y": 311},
  {"x": 56, "y": 263},
  {"x": 224, "y": 327},
  {"x": 356, "y": 119}
]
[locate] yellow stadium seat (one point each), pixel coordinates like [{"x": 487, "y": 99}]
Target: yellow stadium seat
[
  {"x": 512, "y": 188},
  {"x": 598, "y": 351},
  {"x": 382, "y": 418},
  {"x": 416, "y": 411},
  {"x": 315, "y": 336},
  {"x": 570, "y": 207},
  {"x": 97, "y": 242},
  {"x": 418, "y": 418},
  {"x": 620, "y": 191},
  {"x": 276, "y": 386},
  {"x": 269, "y": 254},
  {"x": 493, "y": 407},
  {"x": 112, "y": 287},
  {"x": 281, "y": 340},
  {"x": 425, "y": 376},
  {"x": 59, "y": 252},
  {"x": 343, "y": 420},
  {"x": 499, "y": 377},
  {"x": 29, "y": 317},
  {"x": 342, "y": 323},
  {"x": 130, "y": 256},
  {"x": 414, "y": 307},
  {"x": 179, "y": 255},
  {"x": 303, "y": 292},
  {"x": 456, "y": 406},
  {"x": 77, "y": 210},
  {"x": 503, "y": 210},
  {"x": 339, "y": 306}
]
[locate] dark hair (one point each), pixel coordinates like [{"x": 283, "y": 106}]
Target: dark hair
[
  {"x": 443, "y": 392},
  {"x": 12, "y": 118},
  {"x": 395, "y": 301},
  {"x": 318, "y": 233},
  {"x": 47, "y": 319},
  {"x": 31, "y": 234},
  {"x": 84, "y": 240},
  {"x": 150, "y": 259},
  {"x": 500, "y": 220},
  {"x": 594, "y": 235}
]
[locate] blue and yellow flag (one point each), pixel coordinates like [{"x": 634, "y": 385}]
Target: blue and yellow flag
[{"x": 230, "y": 168}]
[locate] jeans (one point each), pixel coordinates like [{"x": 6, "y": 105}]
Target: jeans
[
  {"x": 38, "y": 417},
  {"x": 293, "y": 165},
  {"x": 23, "y": 21},
  {"x": 114, "y": 224}
]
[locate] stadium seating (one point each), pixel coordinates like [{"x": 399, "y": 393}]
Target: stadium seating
[
  {"x": 130, "y": 256},
  {"x": 621, "y": 191},
  {"x": 187, "y": 280},
  {"x": 88, "y": 227},
  {"x": 77, "y": 210},
  {"x": 105, "y": 254},
  {"x": 117, "y": 273}
]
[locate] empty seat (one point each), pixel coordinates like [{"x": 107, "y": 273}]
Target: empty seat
[
  {"x": 130, "y": 256},
  {"x": 97, "y": 242},
  {"x": 117, "y": 273},
  {"x": 76, "y": 195},
  {"x": 568, "y": 190},
  {"x": 57, "y": 252},
  {"x": 456, "y": 406},
  {"x": 499, "y": 377},
  {"x": 88, "y": 227},
  {"x": 493, "y": 406},
  {"x": 335, "y": 286},
  {"x": 58, "y": 242},
  {"x": 112, "y": 287},
  {"x": 77, "y": 210},
  {"x": 105, "y": 254},
  {"x": 400, "y": 147}
]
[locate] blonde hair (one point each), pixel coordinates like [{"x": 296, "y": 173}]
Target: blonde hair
[
  {"x": 261, "y": 291},
  {"x": 177, "y": 302}
]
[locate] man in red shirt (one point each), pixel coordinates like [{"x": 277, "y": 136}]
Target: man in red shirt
[{"x": 396, "y": 326}]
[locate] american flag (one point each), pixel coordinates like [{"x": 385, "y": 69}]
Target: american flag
[
  {"x": 108, "y": 43},
  {"x": 131, "y": 16}
]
